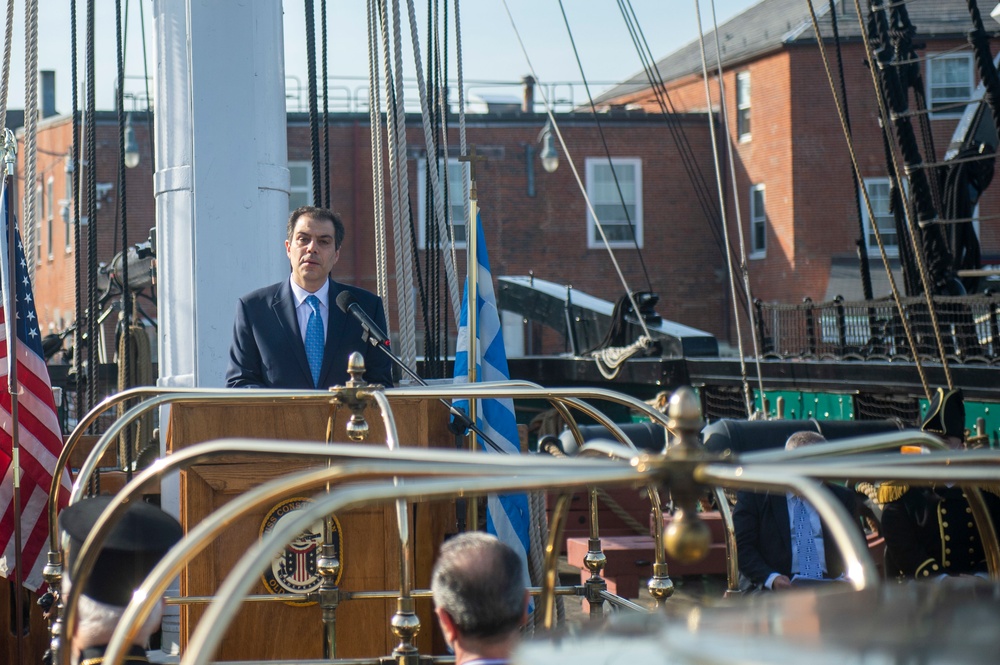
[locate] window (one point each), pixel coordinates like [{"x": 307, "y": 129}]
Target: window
[
  {"x": 758, "y": 223},
  {"x": 743, "y": 105},
  {"x": 36, "y": 237},
  {"x": 300, "y": 180},
  {"x": 603, "y": 193},
  {"x": 879, "y": 195},
  {"x": 949, "y": 83},
  {"x": 456, "y": 199},
  {"x": 49, "y": 211}
]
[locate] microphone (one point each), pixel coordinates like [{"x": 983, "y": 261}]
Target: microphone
[{"x": 348, "y": 304}]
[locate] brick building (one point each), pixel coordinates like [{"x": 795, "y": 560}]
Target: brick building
[
  {"x": 535, "y": 222},
  {"x": 794, "y": 181}
]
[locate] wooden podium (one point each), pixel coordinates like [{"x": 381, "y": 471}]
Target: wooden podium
[{"x": 369, "y": 542}]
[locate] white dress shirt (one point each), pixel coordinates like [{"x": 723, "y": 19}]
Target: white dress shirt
[{"x": 303, "y": 310}]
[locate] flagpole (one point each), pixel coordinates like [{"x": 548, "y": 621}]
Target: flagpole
[
  {"x": 10, "y": 153},
  {"x": 472, "y": 275}
]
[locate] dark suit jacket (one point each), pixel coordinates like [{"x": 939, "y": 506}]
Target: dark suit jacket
[
  {"x": 267, "y": 349},
  {"x": 764, "y": 535}
]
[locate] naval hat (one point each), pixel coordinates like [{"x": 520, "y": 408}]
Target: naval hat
[
  {"x": 137, "y": 542},
  {"x": 946, "y": 414}
]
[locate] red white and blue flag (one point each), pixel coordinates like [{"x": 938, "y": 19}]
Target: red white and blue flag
[{"x": 39, "y": 435}]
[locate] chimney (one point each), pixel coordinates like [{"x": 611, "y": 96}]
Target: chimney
[
  {"x": 47, "y": 82},
  {"x": 528, "y": 103}
]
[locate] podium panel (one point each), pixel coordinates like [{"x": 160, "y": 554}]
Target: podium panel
[{"x": 369, "y": 543}]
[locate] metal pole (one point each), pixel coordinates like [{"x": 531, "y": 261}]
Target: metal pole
[{"x": 10, "y": 323}]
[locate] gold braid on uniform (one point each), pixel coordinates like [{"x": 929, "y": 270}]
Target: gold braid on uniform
[
  {"x": 100, "y": 660},
  {"x": 889, "y": 491}
]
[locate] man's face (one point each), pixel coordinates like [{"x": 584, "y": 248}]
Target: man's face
[{"x": 312, "y": 251}]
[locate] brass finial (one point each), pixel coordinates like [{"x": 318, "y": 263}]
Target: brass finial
[{"x": 688, "y": 538}]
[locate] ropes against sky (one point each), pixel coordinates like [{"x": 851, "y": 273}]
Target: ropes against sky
[{"x": 576, "y": 174}]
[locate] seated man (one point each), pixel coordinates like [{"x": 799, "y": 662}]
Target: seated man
[
  {"x": 780, "y": 538},
  {"x": 929, "y": 531},
  {"x": 479, "y": 597},
  {"x": 135, "y": 545}
]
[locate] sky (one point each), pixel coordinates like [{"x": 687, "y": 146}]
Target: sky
[{"x": 490, "y": 48}]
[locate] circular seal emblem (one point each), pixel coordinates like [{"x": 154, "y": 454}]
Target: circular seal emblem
[{"x": 294, "y": 570}]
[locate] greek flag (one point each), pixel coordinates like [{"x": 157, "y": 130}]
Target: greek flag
[{"x": 507, "y": 515}]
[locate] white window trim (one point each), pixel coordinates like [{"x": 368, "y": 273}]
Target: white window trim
[
  {"x": 593, "y": 237},
  {"x": 755, "y": 252},
  {"x": 421, "y": 199},
  {"x": 745, "y": 74},
  {"x": 50, "y": 214},
  {"x": 308, "y": 186},
  {"x": 958, "y": 110},
  {"x": 889, "y": 250}
]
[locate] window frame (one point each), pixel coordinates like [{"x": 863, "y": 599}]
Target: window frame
[
  {"x": 743, "y": 106},
  {"x": 49, "y": 213},
  {"x": 593, "y": 238},
  {"x": 758, "y": 219},
  {"x": 422, "y": 198},
  {"x": 307, "y": 189},
  {"x": 957, "y": 111},
  {"x": 890, "y": 250}
]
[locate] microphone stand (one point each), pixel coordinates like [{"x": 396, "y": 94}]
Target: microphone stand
[{"x": 460, "y": 418}]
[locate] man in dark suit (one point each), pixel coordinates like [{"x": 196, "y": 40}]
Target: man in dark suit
[
  {"x": 290, "y": 334},
  {"x": 780, "y": 538}
]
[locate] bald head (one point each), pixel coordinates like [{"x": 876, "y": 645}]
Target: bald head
[{"x": 803, "y": 438}]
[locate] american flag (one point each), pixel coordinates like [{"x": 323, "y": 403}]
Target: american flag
[{"x": 39, "y": 435}]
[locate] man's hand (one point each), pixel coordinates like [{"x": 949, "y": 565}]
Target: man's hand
[{"x": 781, "y": 583}]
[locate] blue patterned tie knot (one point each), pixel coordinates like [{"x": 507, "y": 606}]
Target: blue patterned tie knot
[
  {"x": 314, "y": 339},
  {"x": 805, "y": 544}
]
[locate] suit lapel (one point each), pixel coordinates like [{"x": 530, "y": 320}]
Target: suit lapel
[
  {"x": 283, "y": 306},
  {"x": 779, "y": 507},
  {"x": 334, "y": 330}
]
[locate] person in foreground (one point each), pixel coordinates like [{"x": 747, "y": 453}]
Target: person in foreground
[
  {"x": 135, "y": 545},
  {"x": 479, "y": 598},
  {"x": 291, "y": 334},
  {"x": 929, "y": 531},
  {"x": 780, "y": 540}
]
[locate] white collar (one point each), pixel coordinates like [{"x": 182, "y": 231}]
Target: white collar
[{"x": 301, "y": 294}]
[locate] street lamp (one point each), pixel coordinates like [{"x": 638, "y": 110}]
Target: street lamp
[
  {"x": 550, "y": 158},
  {"x": 131, "y": 145}
]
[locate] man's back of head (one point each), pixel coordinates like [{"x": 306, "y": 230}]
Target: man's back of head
[
  {"x": 479, "y": 593},
  {"x": 803, "y": 438}
]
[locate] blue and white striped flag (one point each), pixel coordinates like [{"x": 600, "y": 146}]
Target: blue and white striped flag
[{"x": 507, "y": 515}]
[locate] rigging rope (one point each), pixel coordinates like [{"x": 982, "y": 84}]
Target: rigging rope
[
  {"x": 866, "y": 275},
  {"x": 93, "y": 362},
  {"x": 867, "y": 199},
  {"x": 677, "y": 133},
  {"x": 378, "y": 189},
  {"x": 918, "y": 177},
  {"x": 77, "y": 371},
  {"x": 744, "y": 269},
  {"x": 456, "y": 306},
  {"x": 576, "y": 173},
  {"x": 326, "y": 107},
  {"x": 126, "y": 313},
  {"x": 607, "y": 151},
  {"x": 32, "y": 246},
  {"x": 317, "y": 172},
  {"x": 747, "y": 397},
  {"x": 5, "y": 82},
  {"x": 432, "y": 173}
]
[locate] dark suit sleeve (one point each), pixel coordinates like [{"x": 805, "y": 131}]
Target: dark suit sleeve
[
  {"x": 245, "y": 367},
  {"x": 905, "y": 542},
  {"x": 378, "y": 366},
  {"x": 747, "y": 525}
]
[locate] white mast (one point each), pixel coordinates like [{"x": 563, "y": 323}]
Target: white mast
[{"x": 221, "y": 183}]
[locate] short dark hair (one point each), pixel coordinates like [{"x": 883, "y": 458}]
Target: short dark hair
[
  {"x": 479, "y": 582},
  {"x": 318, "y": 213}
]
